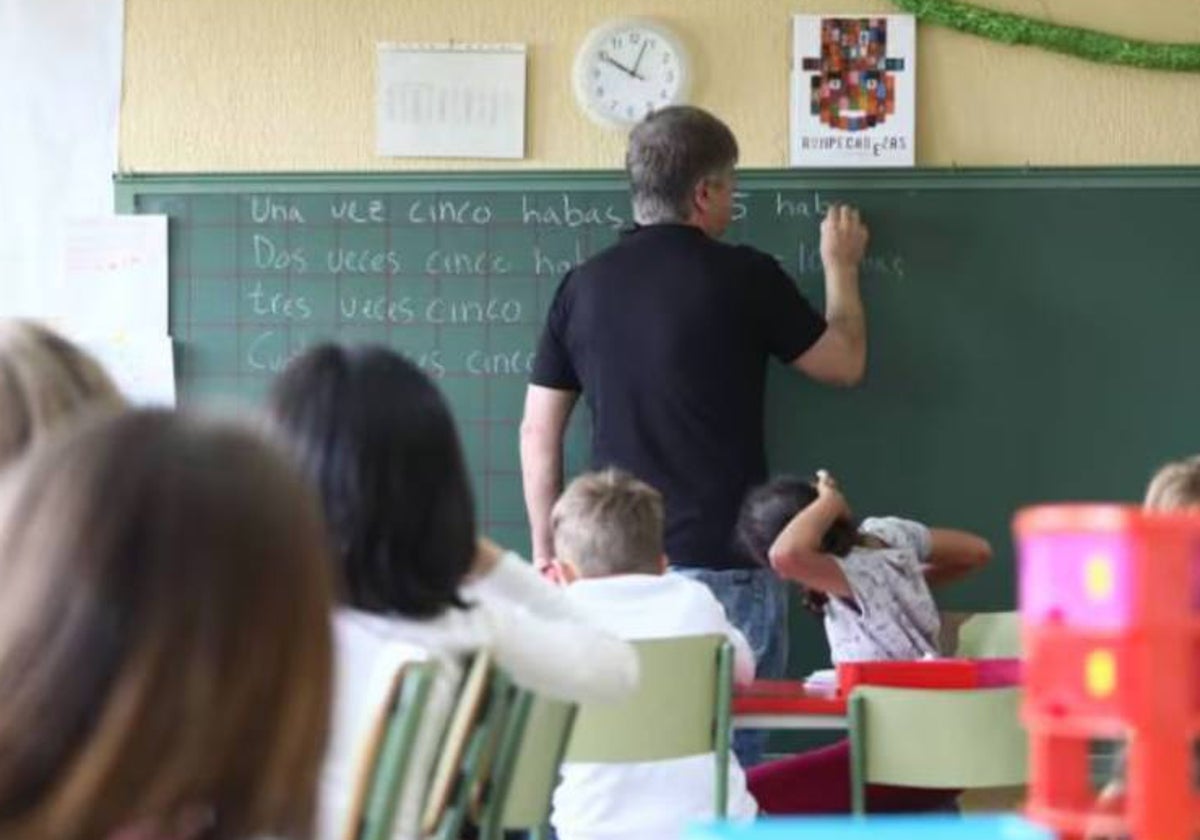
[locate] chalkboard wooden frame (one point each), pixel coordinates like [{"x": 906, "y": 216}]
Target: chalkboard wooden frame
[{"x": 130, "y": 185}]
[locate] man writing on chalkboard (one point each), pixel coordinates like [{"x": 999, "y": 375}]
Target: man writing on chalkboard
[{"x": 666, "y": 334}]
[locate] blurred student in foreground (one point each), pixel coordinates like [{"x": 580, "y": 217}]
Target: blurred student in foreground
[
  {"x": 165, "y": 658},
  {"x": 45, "y": 382}
]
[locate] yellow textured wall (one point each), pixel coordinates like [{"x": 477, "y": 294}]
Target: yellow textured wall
[{"x": 222, "y": 85}]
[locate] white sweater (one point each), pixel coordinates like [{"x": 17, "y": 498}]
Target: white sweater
[
  {"x": 531, "y": 628},
  {"x": 650, "y": 800}
]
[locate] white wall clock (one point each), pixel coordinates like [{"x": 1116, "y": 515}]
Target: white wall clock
[{"x": 629, "y": 67}]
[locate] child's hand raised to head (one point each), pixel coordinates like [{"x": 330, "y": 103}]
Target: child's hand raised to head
[
  {"x": 798, "y": 552},
  {"x": 830, "y": 495}
]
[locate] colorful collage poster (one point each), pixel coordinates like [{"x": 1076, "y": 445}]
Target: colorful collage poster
[{"x": 853, "y": 90}]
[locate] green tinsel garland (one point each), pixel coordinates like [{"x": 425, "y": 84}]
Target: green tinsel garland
[{"x": 1072, "y": 40}]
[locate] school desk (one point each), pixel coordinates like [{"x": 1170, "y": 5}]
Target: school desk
[
  {"x": 792, "y": 704},
  {"x": 788, "y": 704}
]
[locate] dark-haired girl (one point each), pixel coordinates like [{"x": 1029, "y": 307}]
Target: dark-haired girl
[
  {"x": 376, "y": 438},
  {"x": 871, "y": 583}
]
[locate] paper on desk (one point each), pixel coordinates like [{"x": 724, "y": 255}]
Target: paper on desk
[{"x": 823, "y": 677}]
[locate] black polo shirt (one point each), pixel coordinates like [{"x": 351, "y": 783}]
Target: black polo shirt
[{"x": 667, "y": 335}]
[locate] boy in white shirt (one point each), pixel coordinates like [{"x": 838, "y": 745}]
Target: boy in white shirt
[{"x": 608, "y": 540}]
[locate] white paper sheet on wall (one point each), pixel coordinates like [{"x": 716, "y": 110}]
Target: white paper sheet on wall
[
  {"x": 60, "y": 93},
  {"x": 114, "y": 277},
  {"x": 443, "y": 100},
  {"x": 142, "y": 366}
]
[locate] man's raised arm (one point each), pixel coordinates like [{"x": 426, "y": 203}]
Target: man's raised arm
[{"x": 839, "y": 356}]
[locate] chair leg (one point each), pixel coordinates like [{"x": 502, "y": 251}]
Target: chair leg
[
  {"x": 724, "y": 729},
  {"x": 858, "y": 757}
]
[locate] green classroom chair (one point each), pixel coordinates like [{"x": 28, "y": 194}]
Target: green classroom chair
[
  {"x": 524, "y": 773},
  {"x": 935, "y": 738},
  {"x": 404, "y": 716},
  {"x": 462, "y": 760},
  {"x": 681, "y": 708},
  {"x": 990, "y": 635}
]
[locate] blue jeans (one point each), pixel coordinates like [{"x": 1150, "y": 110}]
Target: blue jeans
[{"x": 756, "y": 602}]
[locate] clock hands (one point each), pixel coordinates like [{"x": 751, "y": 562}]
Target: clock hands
[
  {"x": 632, "y": 73},
  {"x": 638, "y": 61}
]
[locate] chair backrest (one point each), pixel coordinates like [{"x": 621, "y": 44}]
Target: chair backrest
[
  {"x": 390, "y": 766},
  {"x": 681, "y": 708},
  {"x": 524, "y": 772},
  {"x": 990, "y": 635},
  {"x": 935, "y": 738},
  {"x": 368, "y": 682},
  {"x": 463, "y": 752}
]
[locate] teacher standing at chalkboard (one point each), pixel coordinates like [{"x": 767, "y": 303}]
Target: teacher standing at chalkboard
[{"x": 666, "y": 335}]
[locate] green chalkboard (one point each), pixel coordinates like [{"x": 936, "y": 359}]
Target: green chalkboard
[{"x": 1033, "y": 334}]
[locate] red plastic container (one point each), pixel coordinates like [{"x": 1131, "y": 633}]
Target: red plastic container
[
  {"x": 1111, "y": 630},
  {"x": 930, "y": 673}
]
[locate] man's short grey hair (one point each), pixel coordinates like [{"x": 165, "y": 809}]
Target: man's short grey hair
[
  {"x": 670, "y": 152},
  {"x": 609, "y": 523}
]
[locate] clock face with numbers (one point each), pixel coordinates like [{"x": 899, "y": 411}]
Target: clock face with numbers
[{"x": 628, "y": 68}]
